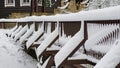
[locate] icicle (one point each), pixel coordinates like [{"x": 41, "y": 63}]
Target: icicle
[
  {"x": 115, "y": 35},
  {"x": 49, "y": 28},
  {"x": 46, "y": 28},
  {"x": 39, "y": 25},
  {"x": 33, "y": 25},
  {"x": 117, "y": 30},
  {"x": 58, "y": 29},
  {"x": 111, "y": 39},
  {"x": 103, "y": 26},
  {"x": 57, "y": 24},
  {"x": 118, "y": 33},
  {"x": 43, "y": 25},
  {"x": 92, "y": 29},
  {"x": 98, "y": 27},
  {"x": 108, "y": 40},
  {"x": 63, "y": 33},
  {"x": 17, "y": 24}
]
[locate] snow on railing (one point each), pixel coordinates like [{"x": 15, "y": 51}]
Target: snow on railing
[
  {"x": 94, "y": 28},
  {"x": 47, "y": 41},
  {"x": 12, "y": 30},
  {"x": 69, "y": 46},
  {"x": 99, "y": 36},
  {"x": 14, "y": 33},
  {"x": 34, "y": 37},
  {"x": 28, "y": 33},
  {"x": 22, "y": 31},
  {"x": 112, "y": 58}
]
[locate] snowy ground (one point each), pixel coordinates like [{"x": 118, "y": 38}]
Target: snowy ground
[{"x": 12, "y": 56}]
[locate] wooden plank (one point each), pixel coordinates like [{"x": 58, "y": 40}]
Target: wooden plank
[
  {"x": 50, "y": 52},
  {"x": 80, "y": 61}
]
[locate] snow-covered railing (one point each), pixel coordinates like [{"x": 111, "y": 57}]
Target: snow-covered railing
[
  {"x": 21, "y": 32},
  {"x": 52, "y": 37},
  {"x": 28, "y": 33},
  {"x": 35, "y": 36},
  {"x": 111, "y": 59},
  {"x": 101, "y": 36},
  {"x": 105, "y": 31},
  {"x": 70, "y": 47},
  {"x": 16, "y": 31},
  {"x": 108, "y": 33},
  {"x": 12, "y": 30}
]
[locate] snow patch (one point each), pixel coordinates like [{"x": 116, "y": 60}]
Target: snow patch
[{"x": 12, "y": 56}]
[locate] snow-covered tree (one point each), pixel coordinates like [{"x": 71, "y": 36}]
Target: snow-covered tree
[{"x": 98, "y": 4}]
